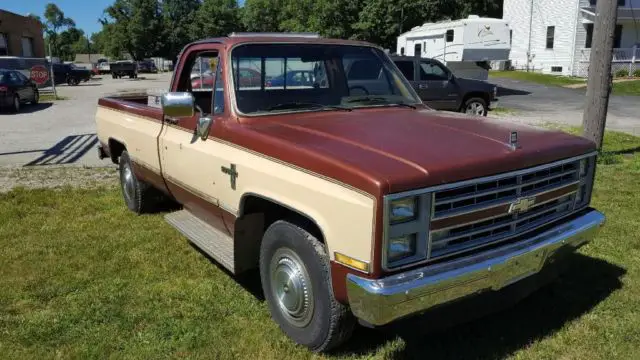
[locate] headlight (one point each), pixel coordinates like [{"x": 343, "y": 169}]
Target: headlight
[
  {"x": 400, "y": 248},
  {"x": 403, "y": 210}
]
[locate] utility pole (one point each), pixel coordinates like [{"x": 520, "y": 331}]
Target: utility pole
[{"x": 600, "y": 80}]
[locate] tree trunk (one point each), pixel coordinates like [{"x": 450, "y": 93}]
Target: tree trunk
[{"x": 599, "y": 85}]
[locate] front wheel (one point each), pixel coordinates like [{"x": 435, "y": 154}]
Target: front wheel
[
  {"x": 475, "y": 106},
  {"x": 15, "y": 107},
  {"x": 294, "y": 269}
]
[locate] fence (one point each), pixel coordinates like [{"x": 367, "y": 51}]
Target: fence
[{"x": 623, "y": 59}]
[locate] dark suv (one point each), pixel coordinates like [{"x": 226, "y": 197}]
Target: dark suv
[{"x": 441, "y": 90}]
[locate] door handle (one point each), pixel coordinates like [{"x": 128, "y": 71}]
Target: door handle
[{"x": 422, "y": 86}]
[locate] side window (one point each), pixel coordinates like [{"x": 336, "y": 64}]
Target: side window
[
  {"x": 406, "y": 67},
  {"x": 21, "y": 76},
  {"x": 450, "y": 35},
  {"x": 218, "y": 95},
  {"x": 432, "y": 71},
  {"x": 202, "y": 72},
  {"x": 13, "y": 78}
]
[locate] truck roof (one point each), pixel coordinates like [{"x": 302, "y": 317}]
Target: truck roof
[{"x": 278, "y": 38}]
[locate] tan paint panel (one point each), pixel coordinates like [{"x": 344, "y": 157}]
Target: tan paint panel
[
  {"x": 137, "y": 133},
  {"x": 344, "y": 216}
]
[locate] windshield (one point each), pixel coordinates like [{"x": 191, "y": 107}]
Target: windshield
[{"x": 272, "y": 78}]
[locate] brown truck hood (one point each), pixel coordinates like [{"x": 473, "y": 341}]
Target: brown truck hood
[{"x": 406, "y": 149}]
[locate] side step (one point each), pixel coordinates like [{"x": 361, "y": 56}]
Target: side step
[{"x": 212, "y": 241}]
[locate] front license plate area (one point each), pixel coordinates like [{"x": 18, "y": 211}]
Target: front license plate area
[{"x": 519, "y": 268}]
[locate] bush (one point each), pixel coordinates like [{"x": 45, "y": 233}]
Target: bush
[
  {"x": 636, "y": 73},
  {"x": 621, "y": 73}
]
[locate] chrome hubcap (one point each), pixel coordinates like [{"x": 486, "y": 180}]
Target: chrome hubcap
[
  {"x": 475, "y": 109},
  {"x": 128, "y": 186},
  {"x": 291, "y": 287}
]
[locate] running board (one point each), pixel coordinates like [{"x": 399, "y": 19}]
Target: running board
[{"x": 212, "y": 241}]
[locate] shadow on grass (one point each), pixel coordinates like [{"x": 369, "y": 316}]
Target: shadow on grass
[{"x": 494, "y": 325}]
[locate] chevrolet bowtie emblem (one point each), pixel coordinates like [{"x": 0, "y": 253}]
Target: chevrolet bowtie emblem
[{"x": 522, "y": 205}]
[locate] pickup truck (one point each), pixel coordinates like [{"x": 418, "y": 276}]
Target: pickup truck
[{"x": 354, "y": 200}]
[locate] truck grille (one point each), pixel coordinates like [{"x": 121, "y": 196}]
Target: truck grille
[{"x": 491, "y": 211}]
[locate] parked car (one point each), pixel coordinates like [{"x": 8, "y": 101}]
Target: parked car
[
  {"x": 364, "y": 206},
  {"x": 70, "y": 74},
  {"x": 16, "y": 89},
  {"x": 104, "y": 68},
  {"x": 440, "y": 89},
  {"x": 124, "y": 68},
  {"x": 147, "y": 66},
  {"x": 247, "y": 78},
  {"x": 293, "y": 78}
]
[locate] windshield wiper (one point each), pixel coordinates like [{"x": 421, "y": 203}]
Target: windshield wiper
[
  {"x": 305, "y": 105},
  {"x": 379, "y": 99}
]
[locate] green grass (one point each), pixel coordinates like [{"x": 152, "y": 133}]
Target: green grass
[
  {"x": 627, "y": 88},
  {"x": 544, "y": 79},
  {"x": 83, "y": 278},
  {"x": 502, "y": 111}
]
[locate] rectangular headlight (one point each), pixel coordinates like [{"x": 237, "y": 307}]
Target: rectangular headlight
[
  {"x": 403, "y": 210},
  {"x": 401, "y": 247}
]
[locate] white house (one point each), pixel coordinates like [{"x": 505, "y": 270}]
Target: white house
[{"x": 555, "y": 36}]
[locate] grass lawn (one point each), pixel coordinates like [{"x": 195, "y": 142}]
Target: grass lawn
[
  {"x": 82, "y": 277},
  {"x": 50, "y": 97},
  {"x": 538, "y": 78},
  {"x": 627, "y": 88}
]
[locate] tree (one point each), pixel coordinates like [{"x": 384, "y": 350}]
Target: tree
[
  {"x": 262, "y": 15},
  {"x": 67, "y": 43},
  {"x": 216, "y": 18},
  {"x": 54, "y": 22},
  {"x": 134, "y": 26},
  {"x": 177, "y": 15}
]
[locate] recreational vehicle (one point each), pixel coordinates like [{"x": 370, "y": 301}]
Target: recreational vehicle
[{"x": 466, "y": 46}]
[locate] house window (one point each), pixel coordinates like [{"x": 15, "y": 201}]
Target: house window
[
  {"x": 556, "y": 69},
  {"x": 510, "y": 37},
  {"x": 27, "y": 47},
  {"x": 617, "y": 40},
  {"x": 449, "y": 35},
  {"x": 4, "y": 45},
  {"x": 587, "y": 44},
  {"x": 402, "y": 51},
  {"x": 551, "y": 33}
]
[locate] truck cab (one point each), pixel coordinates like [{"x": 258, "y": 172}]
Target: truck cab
[{"x": 354, "y": 200}]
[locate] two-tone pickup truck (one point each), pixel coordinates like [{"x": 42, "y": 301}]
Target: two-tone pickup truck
[{"x": 352, "y": 198}]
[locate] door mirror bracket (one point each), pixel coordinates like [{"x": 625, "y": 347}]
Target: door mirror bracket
[{"x": 204, "y": 127}]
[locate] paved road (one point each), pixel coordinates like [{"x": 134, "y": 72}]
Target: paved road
[
  {"x": 539, "y": 104},
  {"x": 63, "y": 132}
]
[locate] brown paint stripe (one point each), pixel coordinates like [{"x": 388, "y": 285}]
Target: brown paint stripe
[
  {"x": 133, "y": 105},
  {"x": 498, "y": 210}
]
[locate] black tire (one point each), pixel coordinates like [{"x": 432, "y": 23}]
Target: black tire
[
  {"x": 325, "y": 323},
  {"x": 138, "y": 195},
  {"x": 36, "y": 98},
  {"x": 475, "y": 106},
  {"x": 15, "y": 107}
]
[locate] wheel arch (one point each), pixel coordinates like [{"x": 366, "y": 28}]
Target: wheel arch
[
  {"x": 116, "y": 147},
  {"x": 479, "y": 94}
]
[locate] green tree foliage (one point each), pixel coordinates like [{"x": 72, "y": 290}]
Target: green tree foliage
[
  {"x": 262, "y": 15},
  {"x": 177, "y": 15},
  {"x": 134, "y": 26},
  {"x": 54, "y": 21},
  {"x": 216, "y": 18}
]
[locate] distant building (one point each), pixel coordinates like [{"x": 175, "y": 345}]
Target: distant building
[
  {"x": 20, "y": 36},
  {"x": 88, "y": 58},
  {"x": 555, "y": 37}
]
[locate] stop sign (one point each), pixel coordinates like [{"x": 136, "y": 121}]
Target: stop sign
[{"x": 39, "y": 74}]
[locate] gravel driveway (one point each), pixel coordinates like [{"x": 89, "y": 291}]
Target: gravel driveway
[
  {"x": 63, "y": 132},
  {"x": 536, "y": 103}
]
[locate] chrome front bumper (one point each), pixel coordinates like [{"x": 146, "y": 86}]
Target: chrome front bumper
[{"x": 381, "y": 301}]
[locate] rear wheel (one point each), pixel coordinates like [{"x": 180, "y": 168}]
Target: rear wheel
[
  {"x": 294, "y": 268},
  {"x": 138, "y": 195},
  {"x": 36, "y": 97},
  {"x": 475, "y": 106},
  {"x": 15, "y": 107}
]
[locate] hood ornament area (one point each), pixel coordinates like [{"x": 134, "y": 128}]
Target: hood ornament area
[{"x": 513, "y": 140}]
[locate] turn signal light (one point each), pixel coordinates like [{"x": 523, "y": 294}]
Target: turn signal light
[
  {"x": 351, "y": 262},
  {"x": 4, "y": 88}
]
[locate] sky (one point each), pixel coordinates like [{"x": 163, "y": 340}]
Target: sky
[{"x": 84, "y": 12}]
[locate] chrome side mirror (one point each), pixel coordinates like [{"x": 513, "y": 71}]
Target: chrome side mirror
[
  {"x": 178, "y": 104},
  {"x": 203, "y": 127}
]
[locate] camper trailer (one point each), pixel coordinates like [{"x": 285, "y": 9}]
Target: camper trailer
[{"x": 466, "y": 46}]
